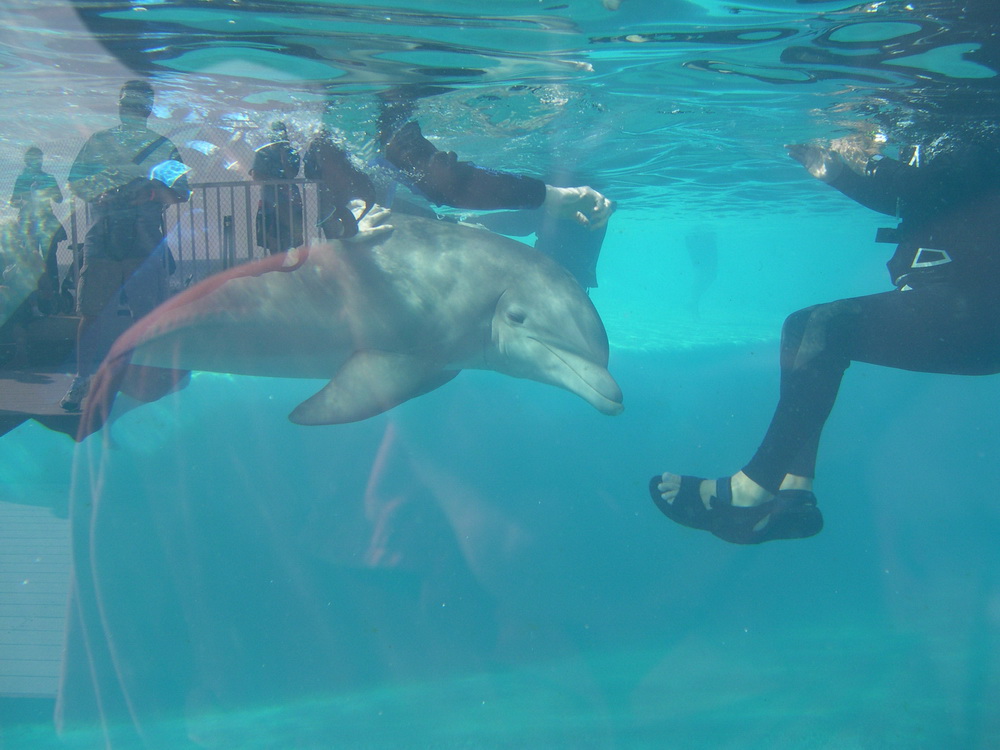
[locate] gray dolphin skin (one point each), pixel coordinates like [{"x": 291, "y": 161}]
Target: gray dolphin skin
[{"x": 383, "y": 321}]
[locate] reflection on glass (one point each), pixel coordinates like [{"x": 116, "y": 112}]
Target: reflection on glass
[{"x": 288, "y": 248}]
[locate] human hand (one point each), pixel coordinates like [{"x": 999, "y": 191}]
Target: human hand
[
  {"x": 582, "y": 204},
  {"x": 822, "y": 163},
  {"x": 372, "y": 225}
]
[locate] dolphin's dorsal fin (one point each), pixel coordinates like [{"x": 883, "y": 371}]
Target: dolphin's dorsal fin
[{"x": 369, "y": 383}]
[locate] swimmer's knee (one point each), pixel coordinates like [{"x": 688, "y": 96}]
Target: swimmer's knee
[
  {"x": 821, "y": 333},
  {"x": 825, "y": 316},
  {"x": 794, "y": 327}
]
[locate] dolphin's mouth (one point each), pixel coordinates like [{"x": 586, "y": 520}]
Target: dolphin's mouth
[{"x": 584, "y": 377}]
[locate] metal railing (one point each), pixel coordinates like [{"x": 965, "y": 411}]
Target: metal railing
[{"x": 214, "y": 230}]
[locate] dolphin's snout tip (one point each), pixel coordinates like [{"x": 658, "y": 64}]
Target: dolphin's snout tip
[
  {"x": 609, "y": 408},
  {"x": 605, "y": 395}
]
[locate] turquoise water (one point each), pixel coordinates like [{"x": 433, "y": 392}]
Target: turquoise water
[{"x": 482, "y": 567}]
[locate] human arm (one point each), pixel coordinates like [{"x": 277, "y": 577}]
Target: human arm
[
  {"x": 341, "y": 181},
  {"x": 822, "y": 163},
  {"x": 886, "y": 185},
  {"x": 443, "y": 179},
  {"x": 829, "y": 166}
]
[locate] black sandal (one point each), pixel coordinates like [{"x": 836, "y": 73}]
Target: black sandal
[
  {"x": 791, "y": 514},
  {"x": 687, "y": 509}
]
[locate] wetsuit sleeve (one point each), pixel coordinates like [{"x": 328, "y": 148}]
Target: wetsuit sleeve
[
  {"x": 886, "y": 183},
  {"x": 877, "y": 189},
  {"x": 465, "y": 185},
  {"x": 328, "y": 163},
  {"x": 445, "y": 180}
]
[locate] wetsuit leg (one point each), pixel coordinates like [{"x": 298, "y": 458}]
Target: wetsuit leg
[{"x": 938, "y": 328}]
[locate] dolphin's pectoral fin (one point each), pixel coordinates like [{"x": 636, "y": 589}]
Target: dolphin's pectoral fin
[{"x": 369, "y": 383}]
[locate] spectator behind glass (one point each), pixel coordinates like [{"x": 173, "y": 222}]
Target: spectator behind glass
[
  {"x": 34, "y": 193},
  {"x": 128, "y": 175}
]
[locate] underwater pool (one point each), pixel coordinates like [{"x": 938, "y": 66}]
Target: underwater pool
[{"x": 481, "y": 566}]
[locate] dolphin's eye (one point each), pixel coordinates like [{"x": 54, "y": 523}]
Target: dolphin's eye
[{"x": 516, "y": 317}]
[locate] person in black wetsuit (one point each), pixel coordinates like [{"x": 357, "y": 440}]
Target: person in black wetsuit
[
  {"x": 444, "y": 180},
  {"x": 279, "y": 211},
  {"x": 339, "y": 183},
  {"x": 942, "y": 317}
]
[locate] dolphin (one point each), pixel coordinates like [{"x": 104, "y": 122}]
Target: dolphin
[{"x": 383, "y": 321}]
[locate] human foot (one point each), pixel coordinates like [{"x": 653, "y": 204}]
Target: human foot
[
  {"x": 77, "y": 392},
  {"x": 791, "y": 514},
  {"x": 795, "y": 482},
  {"x": 745, "y": 492}
]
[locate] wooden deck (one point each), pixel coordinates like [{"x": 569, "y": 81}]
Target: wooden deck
[
  {"x": 34, "y": 584},
  {"x": 33, "y": 392}
]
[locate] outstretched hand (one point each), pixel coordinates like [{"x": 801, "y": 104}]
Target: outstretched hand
[
  {"x": 822, "y": 163},
  {"x": 372, "y": 225},
  {"x": 582, "y": 204}
]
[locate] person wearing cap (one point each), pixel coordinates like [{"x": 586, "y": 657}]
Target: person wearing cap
[{"x": 128, "y": 175}]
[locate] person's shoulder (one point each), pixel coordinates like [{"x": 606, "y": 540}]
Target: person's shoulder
[
  {"x": 97, "y": 146},
  {"x": 106, "y": 134},
  {"x": 97, "y": 137}
]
